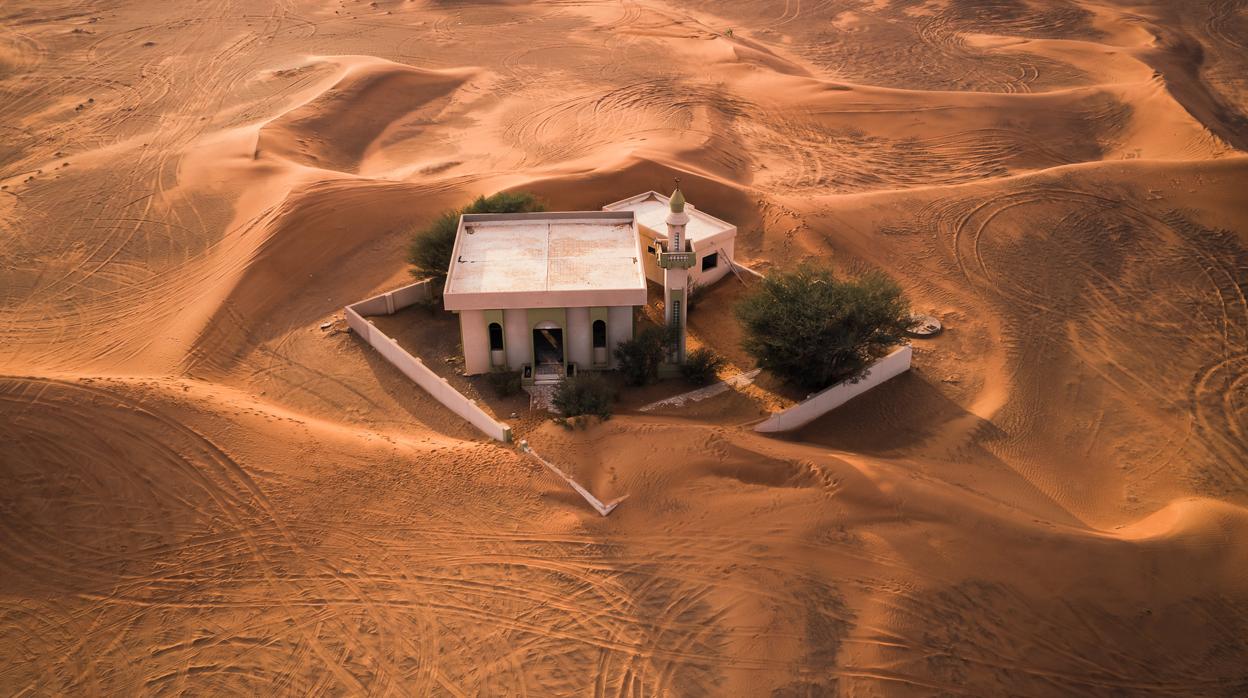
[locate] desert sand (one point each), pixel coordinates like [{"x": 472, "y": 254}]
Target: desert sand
[{"x": 203, "y": 491}]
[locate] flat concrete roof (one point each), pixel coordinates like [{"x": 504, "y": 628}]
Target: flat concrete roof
[
  {"x": 545, "y": 260},
  {"x": 652, "y": 208}
]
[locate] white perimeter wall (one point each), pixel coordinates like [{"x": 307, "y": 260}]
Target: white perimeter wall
[
  {"x": 807, "y": 411},
  {"x": 413, "y": 367}
]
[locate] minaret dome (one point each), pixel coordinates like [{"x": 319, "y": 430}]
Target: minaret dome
[{"x": 678, "y": 199}]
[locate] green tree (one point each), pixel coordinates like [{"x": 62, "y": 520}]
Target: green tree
[
  {"x": 431, "y": 247},
  {"x": 812, "y": 330}
]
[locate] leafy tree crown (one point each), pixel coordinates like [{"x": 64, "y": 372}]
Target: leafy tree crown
[{"x": 812, "y": 329}]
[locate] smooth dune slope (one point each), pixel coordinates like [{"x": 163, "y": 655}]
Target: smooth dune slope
[{"x": 207, "y": 487}]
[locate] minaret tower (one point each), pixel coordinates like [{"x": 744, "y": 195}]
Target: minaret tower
[{"x": 675, "y": 260}]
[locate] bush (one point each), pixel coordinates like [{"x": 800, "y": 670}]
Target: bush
[
  {"x": 702, "y": 366},
  {"x": 585, "y": 393},
  {"x": 812, "y": 329},
  {"x": 505, "y": 383},
  {"x": 431, "y": 248},
  {"x": 639, "y": 358}
]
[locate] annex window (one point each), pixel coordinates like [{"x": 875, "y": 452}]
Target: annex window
[
  {"x": 650, "y": 249},
  {"x": 496, "y": 336},
  {"x": 600, "y": 334},
  {"x": 710, "y": 261}
]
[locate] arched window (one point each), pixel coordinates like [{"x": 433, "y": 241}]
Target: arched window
[
  {"x": 496, "y": 337},
  {"x": 600, "y": 334}
]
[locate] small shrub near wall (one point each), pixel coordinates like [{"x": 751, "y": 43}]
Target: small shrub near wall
[
  {"x": 584, "y": 394},
  {"x": 505, "y": 383},
  {"x": 638, "y": 359},
  {"x": 702, "y": 366}
]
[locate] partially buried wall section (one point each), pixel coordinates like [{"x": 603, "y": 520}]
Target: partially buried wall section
[
  {"x": 828, "y": 399},
  {"x": 391, "y": 302}
]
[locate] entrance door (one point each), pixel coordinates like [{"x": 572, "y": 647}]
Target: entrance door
[{"x": 548, "y": 351}]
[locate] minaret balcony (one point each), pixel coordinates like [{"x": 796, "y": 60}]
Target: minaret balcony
[{"x": 677, "y": 260}]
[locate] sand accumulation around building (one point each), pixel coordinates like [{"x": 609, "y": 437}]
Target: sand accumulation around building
[{"x": 207, "y": 487}]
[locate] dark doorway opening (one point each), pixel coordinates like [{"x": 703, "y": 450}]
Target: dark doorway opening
[
  {"x": 600, "y": 334},
  {"x": 548, "y": 346}
]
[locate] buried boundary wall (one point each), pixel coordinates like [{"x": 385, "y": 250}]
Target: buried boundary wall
[
  {"x": 391, "y": 302},
  {"x": 890, "y": 366}
]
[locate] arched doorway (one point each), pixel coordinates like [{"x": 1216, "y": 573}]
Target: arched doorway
[{"x": 548, "y": 352}]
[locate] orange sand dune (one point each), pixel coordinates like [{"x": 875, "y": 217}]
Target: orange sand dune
[{"x": 206, "y": 486}]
